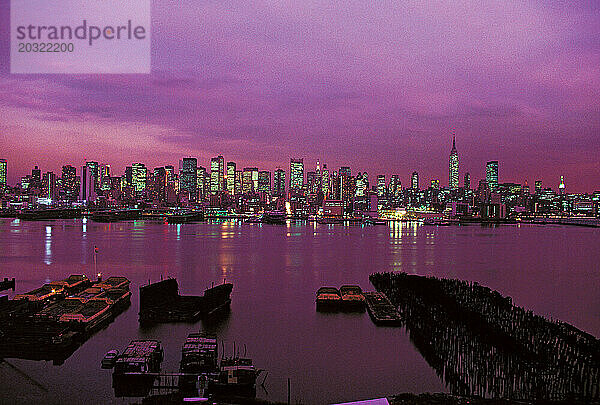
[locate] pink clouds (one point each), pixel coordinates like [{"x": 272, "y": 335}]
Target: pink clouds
[{"x": 376, "y": 85}]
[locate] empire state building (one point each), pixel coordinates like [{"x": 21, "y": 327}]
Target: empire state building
[{"x": 453, "y": 166}]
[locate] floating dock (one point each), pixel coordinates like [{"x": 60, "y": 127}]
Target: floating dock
[{"x": 381, "y": 310}]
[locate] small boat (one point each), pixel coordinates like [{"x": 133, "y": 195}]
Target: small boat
[
  {"x": 329, "y": 221},
  {"x": 328, "y": 298},
  {"x": 373, "y": 221},
  {"x": 236, "y": 377},
  {"x": 135, "y": 369},
  {"x": 110, "y": 358},
  {"x": 181, "y": 217},
  {"x": 116, "y": 215},
  {"x": 274, "y": 217},
  {"x": 352, "y": 298}
]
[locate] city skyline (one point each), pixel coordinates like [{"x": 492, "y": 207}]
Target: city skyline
[{"x": 380, "y": 93}]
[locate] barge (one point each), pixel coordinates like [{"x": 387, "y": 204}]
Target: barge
[
  {"x": 135, "y": 369},
  {"x": 182, "y": 217},
  {"x": 352, "y": 298},
  {"x": 51, "y": 213},
  {"x": 116, "y": 215},
  {"x": 160, "y": 302},
  {"x": 381, "y": 310},
  {"x": 199, "y": 355},
  {"x": 328, "y": 299}
]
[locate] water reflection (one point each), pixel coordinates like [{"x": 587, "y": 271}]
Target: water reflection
[{"x": 48, "y": 250}]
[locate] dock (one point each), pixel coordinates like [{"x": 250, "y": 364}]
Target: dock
[
  {"x": 7, "y": 284},
  {"x": 381, "y": 310}
]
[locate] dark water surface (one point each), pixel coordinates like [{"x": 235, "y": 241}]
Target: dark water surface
[{"x": 552, "y": 270}]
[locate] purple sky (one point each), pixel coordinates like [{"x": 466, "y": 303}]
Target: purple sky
[{"x": 377, "y": 85}]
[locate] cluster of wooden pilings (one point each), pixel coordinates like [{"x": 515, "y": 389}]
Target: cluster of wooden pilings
[{"x": 481, "y": 344}]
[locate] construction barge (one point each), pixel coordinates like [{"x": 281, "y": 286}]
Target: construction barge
[
  {"x": 381, "y": 310},
  {"x": 161, "y": 303},
  {"x": 52, "y": 321}
]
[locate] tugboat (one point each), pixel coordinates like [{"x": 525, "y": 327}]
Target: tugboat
[{"x": 328, "y": 299}]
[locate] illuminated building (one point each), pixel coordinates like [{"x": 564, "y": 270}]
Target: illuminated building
[
  {"x": 381, "y": 186},
  {"x": 414, "y": 181},
  {"x": 95, "y": 171},
  {"x": 138, "y": 177},
  {"x": 202, "y": 181},
  {"x": 362, "y": 184},
  {"x": 561, "y": 186},
  {"x": 312, "y": 185},
  {"x": 279, "y": 183},
  {"x": 453, "y": 166},
  {"x": 239, "y": 176},
  {"x": 217, "y": 169},
  {"x": 435, "y": 184},
  {"x": 188, "y": 178},
  {"x": 325, "y": 181},
  {"x": 296, "y": 174},
  {"x": 247, "y": 183},
  {"x": 159, "y": 184},
  {"x": 3, "y": 173},
  {"x": 538, "y": 186},
  {"x": 467, "y": 181},
  {"x": 36, "y": 177},
  {"x": 49, "y": 189},
  {"x": 69, "y": 183},
  {"x": 491, "y": 174},
  {"x": 264, "y": 181},
  {"x": 86, "y": 189},
  {"x": 231, "y": 190}
]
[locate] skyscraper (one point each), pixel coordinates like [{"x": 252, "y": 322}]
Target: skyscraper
[
  {"x": 561, "y": 186},
  {"x": 69, "y": 182},
  {"x": 325, "y": 181},
  {"x": 86, "y": 190},
  {"x": 264, "y": 181},
  {"x": 467, "y": 181},
  {"x": 538, "y": 186},
  {"x": 3, "y": 174},
  {"x": 239, "y": 177},
  {"x": 296, "y": 174},
  {"x": 231, "y": 190},
  {"x": 453, "y": 166},
  {"x": 491, "y": 174},
  {"x": 279, "y": 183},
  {"x": 49, "y": 189},
  {"x": 95, "y": 170},
  {"x": 217, "y": 169},
  {"x": 381, "y": 186},
  {"x": 139, "y": 175},
  {"x": 189, "y": 178},
  {"x": 247, "y": 183},
  {"x": 414, "y": 181},
  {"x": 202, "y": 181}
]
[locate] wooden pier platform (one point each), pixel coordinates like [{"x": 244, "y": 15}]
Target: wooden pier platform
[{"x": 381, "y": 310}]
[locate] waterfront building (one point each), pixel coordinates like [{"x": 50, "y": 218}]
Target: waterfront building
[
  {"x": 49, "y": 186},
  {"x": 231, "y": 167},
  {"x": 188, "y": 178},
  {"x": 296, "y": 174},
  {"x": 414, "y": 181},
  {"x": 95, "y": 171},
  {"x": 202, "y": 181},
  {"x": 70, "y": 187},
  {"x": 239, "y": 176},
  {"x": 491, "y": 174},
  {"x": 139, "y": 175},
  {"x": 279, "y": 183},
  {"x": 264, "y": 181},
  {"x": 3, "y": 174},
  {"x": 453, "y": 166},
  {"x": 325, "y": 181},
  {"x": 86, "y": 190},
  {"x": 217, "y": 169},
  {"x": 381, "y": 186},
  {"x": 247, "y": 180}
]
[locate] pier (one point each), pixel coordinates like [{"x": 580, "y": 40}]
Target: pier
[{"x": 481, "y": 344}]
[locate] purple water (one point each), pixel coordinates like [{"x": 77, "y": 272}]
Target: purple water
[{"x": 552, "y": 270}]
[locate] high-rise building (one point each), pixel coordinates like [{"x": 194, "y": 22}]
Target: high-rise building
[
  {"x": 414, "y": 181},
  {"x": 346, "y": 183},
  {"x": 435, "y": 184},
  {"x": 139, "y": 175},
  {"x": 538, "y": 186},
  {"x": 325, "y": 181},
  {"x": 49, "y": 189},
  {"x": 279, "y": 183},
  {"x": 491, "y": 174},
  {"x": 95, "y": 170},
  {"x": 159, "y": 177},
  {"x": 217, "y": 170},
  {"x": 202, "y": 181},
  {"x": 362, "y": 184},
  {"x": 296, "y": 174},
  {"x": 188, "y": 178},
  {"x": 231, "y": 190},
  {"x": 239, "y": 177},
  {"x": 69, "y": 183},
  {"x": 467, "y": 181},
  {"x": 264, "y": 181},
  {"x": 453, "y": 166},
  {"x": 394, "y": 187},
  {"x": 105, "y": 182},
  {"x": 36, "y": 177},
  {"x": 561, "y": 186},
  {"x": 86, "y": 190},
  {"x": 3, "y": 173},
  {"x": 247, "y": 180},
  {"x": 381, "y": 186},
  {"x": 312, "y": 184}
]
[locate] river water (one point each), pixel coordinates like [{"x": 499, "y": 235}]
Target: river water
[{"x": 275, "y": 270}]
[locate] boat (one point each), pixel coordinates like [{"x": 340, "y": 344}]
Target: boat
[
  {"x": 254, "y": 220},
  {"x": 199, "y": 355},
  {"x": 352, "y": 298},
  {"x": 181, "y": 217},
  {"x": 373, "y": 221},
  {"x": 136, "y": 368},
  {"x": 328, "y": 298},
  {"x": 381, "y": 310},
  {"x": 160, "y": 302},
  {"x": 50, "y": 213},
  {"x": 274, "y": 217},
  {"x": 116, "y": 215},
  {"x": 110, "y": 358},
  {"x": 236, "y": 377},
  {"x": 329, "y": 221}
]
